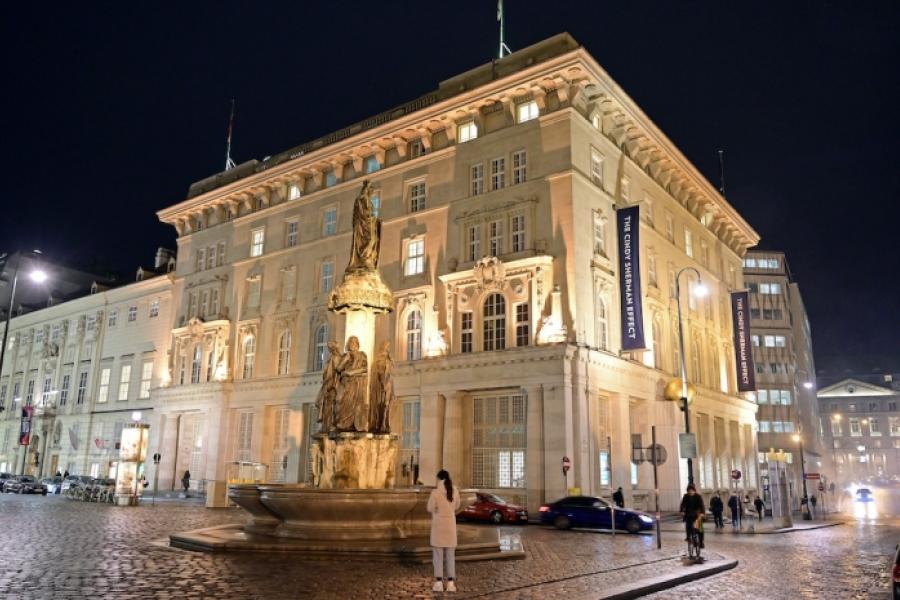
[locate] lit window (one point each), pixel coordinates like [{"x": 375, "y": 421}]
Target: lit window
[
  {"x": 670, "y": 228},
  {"x": 292, "y": 231},
  {"x": 417, "y": 196},
  {"x": 329, "y": 222},
  {"x": 321, "y": 347},
  {"x": 249, "y": 357},
  {"x": 154, "y": 308},
  {"x": 495, "y": 238},
  {"x": 602, "y": 324},
  {"x": 372, "y": 164},
  {"x": 527, "y": 111},
  {"x": 124, "y": 382},
  {"x": 596, "y": 167},
  {"x": 754, "y": 339},
  {"x": 197, "y": 363},
  {"x": 326, "y": 282},
  {"x": 293, "y": 191},
  {"x": 330, "y": 178},
  {"x": 523, "y": 325},
  {"x": 257, "y": 241},
  {"x": 103, "y": 390},
  {"x": 651, "y": 270},
  {"x": 520, "y": 163},
  {"x": 477, "y": 173},
  {"x": 132, "y": 314},
  {"x": 874, "y": 426},
  {"x": 466, "y": 132},
  {"x": 770, "y": 288},
  {"x": 498, "y": 173},
  {"x": 414, "y": 335},
  {"x": 473, "y": 239},
  {"x": 688, "y": 242},
  {"x": 494, "y": 323},
  {"x": 376, "y": 204},
  {"x": 415, "y": 257},
  {"x": 518, "y": 233},
  {"x": 764, "y": 427},
  {"x": 146, "y": 378},
  {"x": 467, "y": 332},
  {"x": 284, "y": 353},
  {"x": 498, "y": 440}
]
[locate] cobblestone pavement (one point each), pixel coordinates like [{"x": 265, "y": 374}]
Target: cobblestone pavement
[{"x": 66, "y": 549}]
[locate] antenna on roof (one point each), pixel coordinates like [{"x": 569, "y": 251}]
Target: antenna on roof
[
  {"x": 229, "y": 162},
  {"x": 504, "y": 49},
  {"x": 722, "y": 172}
]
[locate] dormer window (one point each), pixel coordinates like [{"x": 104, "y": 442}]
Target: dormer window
[
  {"x": 372, "y": 164},
  {"x": 526, "y": 111},
  {"x": 293, "y": 191},
  {"x": 466, "y": 132}
]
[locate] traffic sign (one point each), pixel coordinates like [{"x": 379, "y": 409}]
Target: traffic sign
[
  {"x": 813, "y": 476},
  {"x": 821, "y": 487},
  {"x": 735, "y": 474},
  {"x": 687, "y": 445},
  {"x": 656, "y": 453},
  {"x": 566, "y": 464}
]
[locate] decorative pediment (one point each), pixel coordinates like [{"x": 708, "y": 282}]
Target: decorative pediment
[{"x": 490, "y": 274}]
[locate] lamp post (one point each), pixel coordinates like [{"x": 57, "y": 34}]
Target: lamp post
[
  {"x": 699, "y": 290},
  {"x": 799, "y": 439}
]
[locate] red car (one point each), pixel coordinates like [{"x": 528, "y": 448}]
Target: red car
[{"x": 494, "y": 509}]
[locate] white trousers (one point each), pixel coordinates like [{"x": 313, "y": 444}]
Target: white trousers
[{"x": 444, "y": 559}]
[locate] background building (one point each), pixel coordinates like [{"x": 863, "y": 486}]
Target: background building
[{"x": 785, "y": 370}]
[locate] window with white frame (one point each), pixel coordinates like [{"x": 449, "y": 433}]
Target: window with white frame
[
  {"x": 284, "y": 353},
  {"x": 518, "y": 233},
  {"x": 293, "y": 191},
  {"x": 221, "y": 251},
  {"x": 154, "y": 308},
  {"x": 526, "y": 111},
  {"x": 596, "y": 167},
  {"x": 651, "y": 270},
  {"x": 520, "y": 166},
  {"x": 200, "y": 261},
  {"x": 670, "y": 228},
  {"x": 688, "y": 242},
  {"x": 326, "y": 276},
  {"x": 494, "y": 323},
  {"x": 280, "y": 444},
  {"x": 45, "y": 391},
  {"x": 836, "y": 428},
  {"x": 416, "y": 148},
  {"x": 254, "y": 289},
  {"x": 112, "y": 318},
  {"x": 466, "y": 132},
  {"x": 473, "y": 242},
  {"x": 103, "y": 389},
  {"x": 495, "y": 238},
  {"x": 372, "y": 164},
  {"x": 523, "y": 325},
  {"x": 477, "y": 179},
  {"x": 331, "y": 177},
  {"x": 774, "y": 341},
  {"x": 415, "y": 257},
  {"x": 417, "y": 196},
  {"x": 214, "y": 303},
  {"x": 329, "y": 221},
  {"x": 29, "y": 392},
  {"x": 414, "y": 335},
  {"x": 292, "y": 238},
  {"x": 211, "y": 257},
  {"x": 498, "y": 442},
  {"x": 257, "y": 241},
  {"x": 855, "y": 429},
  {"x": 243, "y": 439},
  {"x": 467, "y": 332},
  {"x": 894, "y": 425},
  {"x": 82, "y": 387},
  {"x": 321, "y": 347},
  {"x": 874, "y": 426},
  {"x": 63, "y": 389},
  {"x": 410, "y": 440},
  {"x": 770, "y": 288},
  {"x": 498, "y": 173},
  {"x": 249, "y": 356},
  {"x": 599, "y": 224},
  {"x": 132, "y": 314},
  {"x": 124, "y": 382},
  {"x": 197, "y": 363},
  {"x": 288, "y": 284},
  {"x": 602, "y": 323},
  {"x": 146, "y": 379}
]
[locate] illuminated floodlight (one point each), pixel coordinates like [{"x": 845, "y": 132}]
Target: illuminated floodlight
[{"x": 38, "y": 276}]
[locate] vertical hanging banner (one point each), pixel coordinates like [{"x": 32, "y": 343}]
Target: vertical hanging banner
[
  {"x": 628, "y": 225},
  {"x": 743, "y": 352},
  {"x": 25, "y": 426}
]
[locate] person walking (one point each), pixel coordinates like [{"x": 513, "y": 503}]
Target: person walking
[
  {"x": 717, "y": 507},
  {"x": 734, "y": 506},
  {"x": 186, "y": 482},
  {"x": 443, "y": 504},
  {"x": 691, "y": 510},
  {"x": 812, "y": 503},
  {"x": 760, "y": 507},
  {"x": 619, "y": 498}
]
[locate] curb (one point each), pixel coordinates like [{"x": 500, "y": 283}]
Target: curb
[
  {"x": 767, "y": 531},
  {"x": 661, "y": 583}
]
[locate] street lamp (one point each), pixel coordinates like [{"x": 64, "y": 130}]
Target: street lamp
[
  {"x": 699, "y": 290},
  {"x": 799, "y": 439}
]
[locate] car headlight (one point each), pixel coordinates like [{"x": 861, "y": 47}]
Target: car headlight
[{"x": 646, "y": 519}]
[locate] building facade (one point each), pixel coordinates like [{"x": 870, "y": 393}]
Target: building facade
[
  {"x": 788, "y": 412},
  {"x": 861, "y": 421},
  {"x": 497, "y": 194}
]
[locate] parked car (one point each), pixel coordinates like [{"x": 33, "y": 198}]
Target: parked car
[
  {"x": 494, "y": 509},
  {"x": 895, "y": 574},
  {"x": 24, "y": 484},
  {"x": 3, "y": 478},
  {"x": 74, "y": 481},
  {"x": 589, "y": 511},
  {"x": 54, "y": 484}
]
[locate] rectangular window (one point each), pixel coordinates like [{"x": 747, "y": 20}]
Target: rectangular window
[
  {"x": 113, "y": 317},
  {"x": 417, "y": 196},
  {"x": 254, "y": 288},
  {"x": 754, "y": 339},
  {"x": 221, "y": 259},
  {"x": 29, "y": 392},
  {"x": 45, "y": 392},
  {"x": 257, "y": 241},
  {"x": 523, "y": 325},
  {"x": 498, "y": 173},
  {"x": 326, "y": 282},
  {"x": 293, "y": 191},
  {"x": 411, "y": 423},
  {"x": 689, "y": 243},
  {"x": 154, "y": 308},
  {"x": 466, "y": 132},
  {"x": 64, "y": 390},
  {"x": 211, "y": 257},
  {"x": 103, "y": 390},
  {"x": 214, "y": 303},
  {"x": 146, "y": 379},
  {"x": 415, "y": 257},
  {"x": 670, "y": 228},
  {"x": 416, "y": 148},
  {"x": 124, "y": 382},
  {"x": 82, "y": 387},
  {"x": 518, "y": 233},
  {"x": 596, "y": 167},
  {"x": 894, "y": 424},
  {"x": 855, "y": 430},
  {"x": 90, "y": 322},
  {"x": 651, "y": 270},
  {"x": 762, "y": 397},
  {"x": 836, "y": 428},
  {"x": 527, "y": 111},
  {"x": 288, "y": 284},
  {"x": 648, "y": 208},
  {"x": 204, "y": 304},
  {"x": 477, "y": 179},
  {"x": 474, "y": 242},
  {"x": 329, "y": 222},
  {"x": 200, "y": 259},
  {"x": 243, "y": 438},
  {"x": 466, "y": 331},
  {"x": 498, "y": 452},
  {"x": 495, "y": 238},
  {"x": 604, "y": 468},
  {"x": 132, "y": 314},
  {"x": 704, "y": 254},
  {"x": 874, "y": 426},
  {"x": 376, "y": 203},
  {"x": 330, "y": 178},
  {"x": 520, "y": 164},
  {"x": 372, "y": 164},
  {"x": 764, "y": 427},
  {"x": 292, "y": 230}
]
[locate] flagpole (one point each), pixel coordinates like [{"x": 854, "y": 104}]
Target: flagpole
[
  {"x": 504, "y": 49},
  {"x": 229, "y": 162}
]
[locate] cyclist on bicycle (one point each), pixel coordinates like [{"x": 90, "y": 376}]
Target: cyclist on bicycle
[{"x": 691, "y": 509}]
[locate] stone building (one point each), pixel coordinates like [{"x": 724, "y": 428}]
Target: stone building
[
  {"x": 498, "y": 193},
  {"x": 785, "y": 370}
]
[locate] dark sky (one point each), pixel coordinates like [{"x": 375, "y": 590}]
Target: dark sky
[{"x": 110, "y": 111}]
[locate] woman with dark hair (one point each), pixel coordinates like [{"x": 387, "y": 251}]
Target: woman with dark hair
[{"x": 443, "y": 504}]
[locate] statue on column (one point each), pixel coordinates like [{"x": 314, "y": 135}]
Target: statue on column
[
  {"x": 352, "y": 412},
  {"x": 381, "y": 392},
  {"x": 327, "y": 398},
  {"x": 366, "y": 233}
]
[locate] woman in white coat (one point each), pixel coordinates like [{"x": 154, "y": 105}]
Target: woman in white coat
[{"x": 443, "y": 504}]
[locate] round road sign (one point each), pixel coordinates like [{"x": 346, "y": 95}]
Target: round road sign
[{"x": 735, "y": 474}]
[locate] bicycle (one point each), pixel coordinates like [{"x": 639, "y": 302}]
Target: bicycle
[{"x": 693, "y": 541}]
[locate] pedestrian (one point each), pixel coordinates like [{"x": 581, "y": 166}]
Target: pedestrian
[
  {"x": 734, "y": 506},
  {"x": 443, "y": 504},
  {"x": 58, "y": 473},
  {"x": 760, "y": 507},
  {"x": 812, "y": 503},
  {"x": 186, "y": 482},
  {"x": 66, "y": 474},
  {"x": 717, "y": 507},
  {"x": 692, "y": 510},
  {"x": 619, "y": 498}
]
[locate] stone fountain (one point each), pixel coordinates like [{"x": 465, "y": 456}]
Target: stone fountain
[{"x": 352, "y": 508}]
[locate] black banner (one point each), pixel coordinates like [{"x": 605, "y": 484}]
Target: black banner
[
  {"x": 628, "y": 222},
  {"x": 743, "y": 351}
]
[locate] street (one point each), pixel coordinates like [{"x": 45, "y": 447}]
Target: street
[{"x": 67, "y": 549}]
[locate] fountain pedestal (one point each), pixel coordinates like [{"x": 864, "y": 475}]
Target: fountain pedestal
[{"x": 354, "y": 460}]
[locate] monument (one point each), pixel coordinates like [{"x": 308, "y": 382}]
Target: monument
[{"x": 352, "y": 507}]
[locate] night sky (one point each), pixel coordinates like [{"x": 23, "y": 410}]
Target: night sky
[{"x": 110, "y": 111}]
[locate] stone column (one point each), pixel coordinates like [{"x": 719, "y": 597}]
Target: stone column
[
  {"x": 557, "y": 421},
  {"x": 431, "y": 434},
  {"x": 167, "y": 447},
  {"x": 535, "y": 467},
  {"x": 454, "y": 454},
  {"x": 218, "y": 424},
  {"x": 620, "y": 438}
]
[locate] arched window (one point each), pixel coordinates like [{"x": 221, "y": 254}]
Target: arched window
[
  {"x": 696, "y": 372},
  {"x": 321, "y": 347},
  {"x": 602, "y": 324},
  {"x": 495, "y": 322},
  {"x": 656, "y": 332},
  {"x": 249, "y": 356},
  {"x": 284, "y": 353},
  {"x": 197, "y": 363},
  {"x": 414, "y": 335}
]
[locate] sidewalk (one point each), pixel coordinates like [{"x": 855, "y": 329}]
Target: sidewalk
[{"x": 672, "y": 522}]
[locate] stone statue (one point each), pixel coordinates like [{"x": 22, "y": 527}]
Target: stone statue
[
  {"x": 329, "y": 391},
  {"x": 381, "y": 392},
  {"x": 366, "y": 233},
  {"x": 352, "y": 410}
]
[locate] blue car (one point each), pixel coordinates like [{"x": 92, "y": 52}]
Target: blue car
[{"x": 596, "y": 513}]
